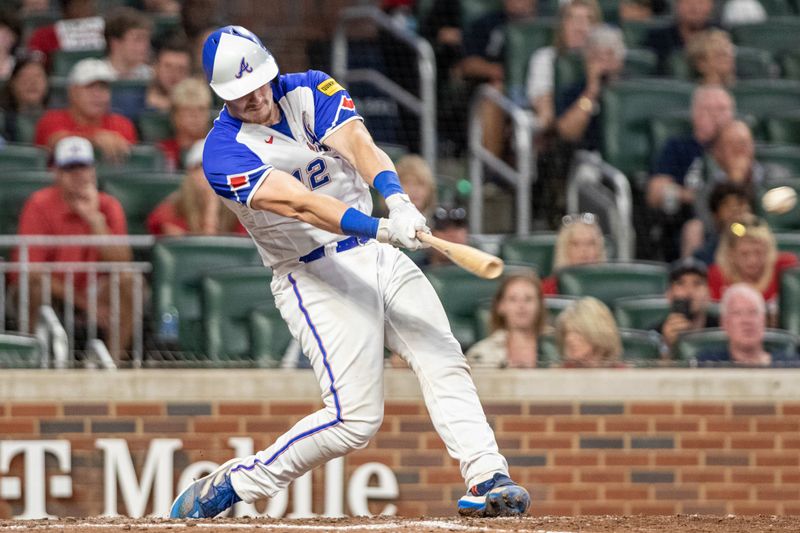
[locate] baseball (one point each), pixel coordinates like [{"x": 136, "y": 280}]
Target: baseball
[{"x": 779, "y": 200}]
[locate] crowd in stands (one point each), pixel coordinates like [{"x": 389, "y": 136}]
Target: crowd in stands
[{"x": 91, "y": 86}]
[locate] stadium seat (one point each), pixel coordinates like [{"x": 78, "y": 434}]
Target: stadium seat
[
  {"x": 662, "y": 128},
  {"x": 483, "y": 314},
  {"x": 635, "y": 31},
  {"x": 165, "y": 25},
  {"x": 609, "y": 281},
  {"x": 627, "y": 110},
  {"x": 58, "y": 92},
  {"x": 556, "y": 304},
  {"x": 776, "y": 35},
  {"x": 269, "y": 335},
  {"x": 548, "y": 351},
  {"x": 15, "y": 188},
  {"x": 639, "y": 63},
  {"x": 154, "y": 126},
  {"x": 790, "y": 65},
  {"x": 229, "y": 296},
  {"x": 20, "y": 351},
  {"x": 788, "y": 221},
  {"x": 786, "y": 156},
  {"x": 64, "y": 60},
  {"x": 522, "y": 39},
  {"x": 788, "y": 242},
  {"x": 32, "y": 21},
  {"x": 751, "y": 64},
  {"x": 790, "y": 300},
  {"x": 762, "y": 98},
  {"x": 783, "y": 127},
  {"x": 536, "y": 249},
  {"x": 178, "y": 268},
  {"x": 22, "y": 157},
  {"x": 777, "y": 8},
  {"x": 460, "y": 293},
  {"x": 472, "y": 10},
  {"x": 139, "y": 193},
  {"x": 689, "y": 345},
  {"x": 641, "y": 312},
  {"x": 639, "y": 347},
  {"x": 25, "y": 127},
  {"x": 142, "y": 157}
]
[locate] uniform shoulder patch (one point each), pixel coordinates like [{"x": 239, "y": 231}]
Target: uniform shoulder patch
[{"x": 329, "y": 87}]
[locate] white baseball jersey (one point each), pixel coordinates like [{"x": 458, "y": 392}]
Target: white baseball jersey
[{"x": 238, "y": 157}]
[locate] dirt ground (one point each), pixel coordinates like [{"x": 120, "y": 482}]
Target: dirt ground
[{"x": 592, "y": 524}]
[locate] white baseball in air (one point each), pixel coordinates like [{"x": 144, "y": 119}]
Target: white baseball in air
[{"x": 779, "y": 200}]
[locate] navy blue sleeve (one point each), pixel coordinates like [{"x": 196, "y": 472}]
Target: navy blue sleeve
[
  {"x": 675, "y": 159},
  {"x": 567, "y": 97},
  {"x": 333, "y": 105},
  {"x": 233, "y": 170}
]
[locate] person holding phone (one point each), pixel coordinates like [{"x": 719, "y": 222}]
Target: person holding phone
[{"x": 689, "y": 300}]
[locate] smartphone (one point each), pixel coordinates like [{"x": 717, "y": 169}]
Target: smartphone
[{"x": 682, "y": 306}]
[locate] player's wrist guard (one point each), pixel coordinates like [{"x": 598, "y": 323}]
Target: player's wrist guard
[
  {"x": 387, "y": 183},
  {"x": 354, "y": 222}
]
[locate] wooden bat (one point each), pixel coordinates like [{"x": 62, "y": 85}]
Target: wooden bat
[{"x": 470, "y": 259}]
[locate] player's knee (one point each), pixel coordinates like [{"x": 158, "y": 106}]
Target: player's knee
[{"x": 360, "y": 429}]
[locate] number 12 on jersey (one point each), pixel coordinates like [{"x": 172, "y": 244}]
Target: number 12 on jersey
[{"x": 315, "y": 174}]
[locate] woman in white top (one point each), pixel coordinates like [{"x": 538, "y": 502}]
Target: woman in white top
[
  {"x": 575, "y": 21},
  {"x": 517, "y": 319}
]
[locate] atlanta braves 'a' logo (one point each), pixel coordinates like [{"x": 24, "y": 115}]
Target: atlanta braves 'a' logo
[{"x": 244, "y": 66}]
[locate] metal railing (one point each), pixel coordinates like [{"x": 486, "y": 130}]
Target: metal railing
[
  {"x": 522, "y": 177},
  {"x": 93, "y": 271},
  {"x": 424, "y": 105},
  {"x": 611, "y": 190}
]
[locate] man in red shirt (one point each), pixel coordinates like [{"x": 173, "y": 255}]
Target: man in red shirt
[
  {"x": 79, "y": 29},
  {"x": 89, "y": 114},
  {"x": 74, "y": 206}
]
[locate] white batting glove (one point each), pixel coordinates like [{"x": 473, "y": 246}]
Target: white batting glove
[
  {"x": 401, "y": 208},
  {"x": 400, "y": 232}
]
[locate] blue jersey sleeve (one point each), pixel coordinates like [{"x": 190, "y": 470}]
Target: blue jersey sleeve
[
  {"x": 333, "y": 105},
  {"x": 233, "y": 170}
]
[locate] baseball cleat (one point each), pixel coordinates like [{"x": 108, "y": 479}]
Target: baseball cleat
[
  {"x": 208, "y": 496},
  {"x": 498, "y": 496}
]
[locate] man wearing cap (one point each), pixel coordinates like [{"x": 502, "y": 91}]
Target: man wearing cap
[
  {"x": 689, "y": 300},
  {"x": 74, "y": 206},
  {"x": 89, "y": 113}
]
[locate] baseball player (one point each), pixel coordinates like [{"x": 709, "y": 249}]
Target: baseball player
[{"x": 291, "y": 157}]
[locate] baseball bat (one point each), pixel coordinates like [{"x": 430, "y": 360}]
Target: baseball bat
[{"x": 470, "y": 259}]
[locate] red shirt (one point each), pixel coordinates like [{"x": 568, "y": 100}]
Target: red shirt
[
  {"x": 58, "y": 120},
  {"x": 44, "y": 40},
  {"x": 172, "y": 153},
  {"x": 717, "y": 282},
  {"x": 166, "y": 213},
  {"x": 550, "y": 286},
  {"x": 46, "y": 213}
]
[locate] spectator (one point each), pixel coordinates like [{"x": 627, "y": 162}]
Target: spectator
[
  {"x": 25, "y": 93},
  {"x": 743, "y": 314},
  {"x": 728, "y": 202},
  {"x": 80, "y": 28},
  {"x": 747, "y": 253},
  {"x": 691, "y": 17},
  {"x": 449, "y": 223},
  {"x": 640, "y": 10},
  {"x": 689, "y": 300},
  {"x": 517, "y": 319},
  {"x": 484, "y": 49},
  {"x": 587, "y": 335},
  {"x": 74, "y": 206},
  {"x": 737, "y": 12},
  {"x": 173, "y": 64},
  {"x": 575, "y": 21},
  {"x": 678, "y": 169},
  {"x": 712, "y": 57},
  {"x": 30, "y": 7},
  {"x": 194, "y": 208},
  {"x": 89, "y": 113},
  {"x": 191, "y": 111},
  {"x": 127, "y": 35},
  {"x": 577, "y": 106},
  {"x": 9, "y": 38},
  {"x": 163, "y": 7},
  {"x": 418, "y": 181},
  {"x": 580, "y": 241}
]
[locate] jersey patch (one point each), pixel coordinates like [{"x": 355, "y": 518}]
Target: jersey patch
[
  {"x": 329, "y": 87},
  {"x": 241, "y": 184},
  {"x": 346, "y": 105}
]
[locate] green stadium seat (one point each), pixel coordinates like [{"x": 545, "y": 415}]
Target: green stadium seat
[
  {"x": 483, "y": 314},
  {"x": 25, "y": 127},
  {"x": 640, "y": 348},
  {"x": 789, "y": 221},
  {"x": 777, "y": 8},
  {"x": 20, "y": 351},
  {"x": 609, "y": 281},
  {"x": 786, "y": 156},
  {"x": 783, "y": 127},
  {"x": 522, "y": 39},
  {"x": 64, "y": 60},
  {"x": 32, "y": 21},
  {"x": 15, "y": 188},
  {"x": 536, "y": 249},
  {"x": 23, "y": 157},
  {"x": 689, "y": 345},
  {"x": 139, "y": 193},
  {"x": 762, "y": 98},
  {"x": 662, "y": 128},
  {"x": 556, "y": 304},
  {"x": 269, "y": 335},
  {"x": 639, "y": 63},
  {"x": 58, "y": 92},
  {"x": 548, "y": 351},
  {"x": 229, "y": 296},
  {"x": 165, "y": 25},
  {"x": 627, "y": 109},
  {"x": 142, "y": 157},
  {"x": 751, "y": 64},
  {"x": 788, "y": 242},
  {"x": 179, "y": 265},
  {"x": 790, "y": 300},
  {"x": 460, "y": 293},
  {"x": 472, "y": 10},
  {"x": 776, "y": 35},
  {"x": 641, "y": 312},
  {"x": 790, "y": 65},
  {"x": 635, "y": 31},
  {"x": 155, "y": 126}
]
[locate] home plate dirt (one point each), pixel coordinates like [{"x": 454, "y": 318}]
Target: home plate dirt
[{"x": 589, "y": 524}]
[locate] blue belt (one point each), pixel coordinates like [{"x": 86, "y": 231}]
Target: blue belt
[{"x": 341, "y": 246}]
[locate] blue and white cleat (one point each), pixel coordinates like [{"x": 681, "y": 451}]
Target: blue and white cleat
[
  {"x": 208, "y": 496},
  {"x": 499, "y": 496}
]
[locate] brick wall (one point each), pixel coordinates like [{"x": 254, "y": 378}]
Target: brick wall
[{"x": 606, "y": 457}]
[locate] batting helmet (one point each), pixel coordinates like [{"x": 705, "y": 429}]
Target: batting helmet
[{"x": 236, "y": 62}]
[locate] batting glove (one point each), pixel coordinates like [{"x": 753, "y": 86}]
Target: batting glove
[
  {"x": 401, "y": 207},
  {"x": 400, "y": 232}
]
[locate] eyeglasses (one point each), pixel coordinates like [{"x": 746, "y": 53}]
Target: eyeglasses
[{"x": 590, "y": 219}]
